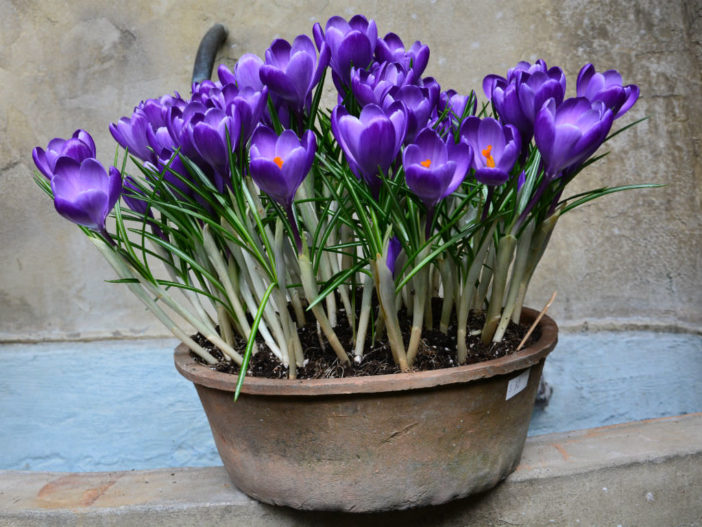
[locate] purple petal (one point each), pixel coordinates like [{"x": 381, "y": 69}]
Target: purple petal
[
  {"x": 300, "y": 71},
  {"x": 394, "y": 250},
  {"x": 114, "y": 187},
  {"x": 87, "y": 209},
  {"x": 209, "y": 143},
  {"x": 278, "y": 54},
  {"x": 39, "y": 157},
  {"x": 354, "y": 50},
  {"x": 491, "y": 176},
  {"x": 270, "y": 179},
  {"x": 461, "y": 155},
  {"x": 246, "y": 72},
  {"x": 286, "y": 143},
  {"x": 263, "y": 142},
  {"x": 278, "y": 82}
]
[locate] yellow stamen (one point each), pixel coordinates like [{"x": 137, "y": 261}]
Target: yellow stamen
[
  {"x": 279, "y": 161},
  {"x": 426, "y": 163},
  {"x": 489, "y": 160}
]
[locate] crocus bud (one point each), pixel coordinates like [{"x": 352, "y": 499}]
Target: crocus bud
[
  {"x": 84, "y": 193},
  {"x": 394, "y": 250}
]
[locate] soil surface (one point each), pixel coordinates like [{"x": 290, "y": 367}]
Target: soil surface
[{"x": 436, "y": 350}]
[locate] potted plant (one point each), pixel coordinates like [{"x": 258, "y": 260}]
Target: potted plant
[{"x": 354, "y": 277}]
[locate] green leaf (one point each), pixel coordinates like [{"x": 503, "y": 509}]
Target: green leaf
[
  {"x": 585, "y": 197},
  {"x": 335, "y": 281},
  {"x": 252, "y": 339}
]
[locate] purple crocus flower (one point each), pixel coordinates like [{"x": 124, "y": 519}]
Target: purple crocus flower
[
  {"x": 391, "y": 49},
  {"x": 145, "y": 132},
  {"x": 280, "y": 164},
  {"x": 372, "y": 141},
  {"x": 371, "y": 86},
  {"x": 351, "y": 45},
  {"x": 495, "y": 148},
  {"x": 456, "y": 107},
  {"x": 250, "y": 105},
  {"x": 79, "y": 147},
  {"x": 606, "y": 87},
  {"x": 292, "y": 71},
  {"x": 245, "y": 74},
  {"x": 209, "y": 137},
  {"x": 249, "y": 102},
  {"x": 179, "y": 124},
  {"x": 519, "y": 97},
  {"x": 84, "y": 193},
  {"x": 567, "y": 134},
  {"x": 208, "y": 93},
  {"x": 435, "y": 168},
  {"x": 419, "y": 104}
]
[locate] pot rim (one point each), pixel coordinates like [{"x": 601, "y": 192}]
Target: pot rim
[{"x": 394, "y": 382}]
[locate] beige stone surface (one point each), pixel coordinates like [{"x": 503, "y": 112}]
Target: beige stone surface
[
  {"x": 633, "y": 258},
  {"x": 645, "y": 473}
]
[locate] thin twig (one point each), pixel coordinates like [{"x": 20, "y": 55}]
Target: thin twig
[{"x": 538, "y": 319}]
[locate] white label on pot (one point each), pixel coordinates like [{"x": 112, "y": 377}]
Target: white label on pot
[{"x": 517, "y": 384}]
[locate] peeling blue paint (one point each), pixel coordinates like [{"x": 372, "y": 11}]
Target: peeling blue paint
[{"x": 120, "y": 405}]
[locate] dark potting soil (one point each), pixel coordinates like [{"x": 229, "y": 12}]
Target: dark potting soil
[{"x": 436, "y": 350}]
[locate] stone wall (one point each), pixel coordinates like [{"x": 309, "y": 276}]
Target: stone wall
[{"x": 633, "y": 258}]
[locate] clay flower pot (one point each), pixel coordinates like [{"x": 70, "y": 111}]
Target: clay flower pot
[{"x": 374, "y": 443}]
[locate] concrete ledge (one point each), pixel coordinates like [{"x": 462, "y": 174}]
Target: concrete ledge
[{"x": 640, "y": 473}]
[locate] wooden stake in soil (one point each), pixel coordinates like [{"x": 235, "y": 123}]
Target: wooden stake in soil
[{"x": 537, "y": 320}]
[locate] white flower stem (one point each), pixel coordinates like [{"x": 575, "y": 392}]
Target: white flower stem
[
  {"x": 467, "y": 293},
  {"x": 215, "y": 257},
  {"x": 385, "y": 286},
  {"x": 505, "y": 251},
  {"x": 123, "y": 271},
  {"x": 485, "y": 280},
  {"x": 309, "y": 284},
  {"x": 421, "y": 285},
  {"x": 448, "y": 271},
  {"x": 539, "y": 242},
  {"x": 364, "y": 316},
  {"x": 520, "y": 262},
  {"x": 225, "y": 326}
]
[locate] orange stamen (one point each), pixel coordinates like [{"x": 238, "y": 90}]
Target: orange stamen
[
  {"x": 279, "y": 161},
  {"x": 426, "y": 163},
  {"x": 489, "y": 160}
]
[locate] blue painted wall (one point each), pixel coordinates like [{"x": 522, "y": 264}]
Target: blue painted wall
[{"x": 120, "y": 405}]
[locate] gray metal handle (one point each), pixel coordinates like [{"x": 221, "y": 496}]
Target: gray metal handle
[{"x": 206, "y": 52}]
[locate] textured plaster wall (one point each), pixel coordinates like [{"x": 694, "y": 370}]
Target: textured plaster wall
[{"x": 633, "y": 258}]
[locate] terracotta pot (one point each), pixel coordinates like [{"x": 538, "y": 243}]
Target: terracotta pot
[{"x": 374, "y": 443}]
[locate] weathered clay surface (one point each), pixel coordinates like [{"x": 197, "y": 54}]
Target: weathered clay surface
[
  {"x": 85, "y": 64},
  {"x": 373, "y": 443}
]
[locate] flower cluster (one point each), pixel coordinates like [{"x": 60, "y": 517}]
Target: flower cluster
[{"x": 263, "y": 204}]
